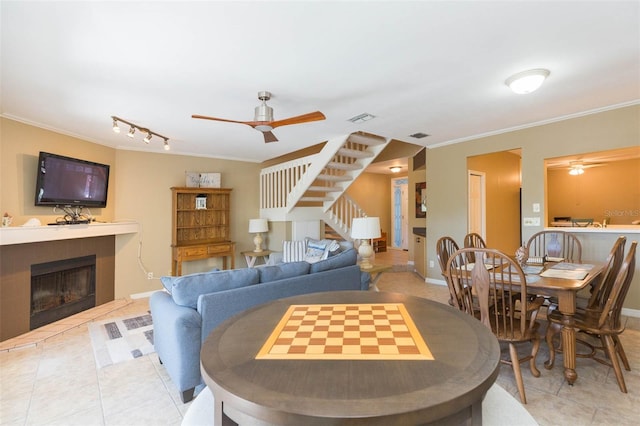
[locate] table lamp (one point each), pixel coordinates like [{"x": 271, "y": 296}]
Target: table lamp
[
  {"x": 258, "y": 226},
  {"x": 364, "y": 229}
]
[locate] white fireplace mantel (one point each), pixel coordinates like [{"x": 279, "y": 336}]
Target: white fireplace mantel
[{"x": 33, "y": 234}]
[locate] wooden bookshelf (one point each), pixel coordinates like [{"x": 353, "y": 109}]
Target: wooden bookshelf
[{"x": 200, "y": 226}]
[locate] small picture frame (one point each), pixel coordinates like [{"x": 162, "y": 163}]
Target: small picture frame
[{"x": 201, "y": 202}]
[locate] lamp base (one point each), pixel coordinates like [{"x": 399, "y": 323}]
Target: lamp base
[
  {"x": 257, "y": 240},
  {"x": 366, "y": 252}
]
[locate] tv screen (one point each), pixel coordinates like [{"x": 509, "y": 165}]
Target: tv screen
[{"x": 66, "y": 181}]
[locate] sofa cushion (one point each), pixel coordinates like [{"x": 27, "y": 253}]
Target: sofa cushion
[
  {"x": 282, "y": 271},
  {"x": 186, "y": 289},
  {"x": 345, "y": 258}
]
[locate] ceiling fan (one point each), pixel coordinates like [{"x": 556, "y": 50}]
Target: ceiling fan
[
  {"x": 577, "y": 167},
  {"x": 263, "y": 119}
]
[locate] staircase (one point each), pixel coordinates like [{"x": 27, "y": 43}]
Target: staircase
[{"x": 313, "y": 187}]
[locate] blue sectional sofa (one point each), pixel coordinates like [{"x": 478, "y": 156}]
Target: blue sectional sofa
[{"x": 191, "y": 306}]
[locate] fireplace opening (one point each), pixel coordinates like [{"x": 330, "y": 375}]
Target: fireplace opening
[{"x": 62, "y": 288}]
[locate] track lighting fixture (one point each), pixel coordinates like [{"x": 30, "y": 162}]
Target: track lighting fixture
[{"x": 134, "y": 127}]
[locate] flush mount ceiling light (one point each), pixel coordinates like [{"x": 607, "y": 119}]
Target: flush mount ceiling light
[
  {"x": 527, "y": 81},
  {"x": 395, "y": 169},
  {"x": 132, "y": 130}
]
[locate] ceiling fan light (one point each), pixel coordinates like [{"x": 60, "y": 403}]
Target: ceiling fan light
[
  {"x": 575, "y": 171},
  {"x": 527, "y": 81},
  {"x": 132, "y": 130},
  {"x": 264, "y": 128}
]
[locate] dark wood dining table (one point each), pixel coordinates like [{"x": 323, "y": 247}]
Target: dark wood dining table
[
  {"x": 446, "y": 388},
  {"x": 565, "y": 290}
]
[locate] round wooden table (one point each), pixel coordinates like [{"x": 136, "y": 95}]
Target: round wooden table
[{"x": 447, "y": 389}]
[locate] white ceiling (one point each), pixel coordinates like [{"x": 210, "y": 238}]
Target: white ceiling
[{"x": 431, "y": 66}]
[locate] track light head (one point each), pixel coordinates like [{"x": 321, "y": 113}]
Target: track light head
[
  {"x": 116, "y": 129},
  {"x": 166, "y": 145},
  {"x": 147, "y": 138},
  {"x": 132, "y": 130}
]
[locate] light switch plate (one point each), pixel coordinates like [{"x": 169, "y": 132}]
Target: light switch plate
[{"x": 536, "y": 207}]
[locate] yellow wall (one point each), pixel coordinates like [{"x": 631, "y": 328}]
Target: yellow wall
[
  {"x": 446, "y": 172},
  {"x": 139, "y": 185},
  {"x": 502, "y": 173},
  {"x": 609, "y": 191},
  {"x": 372, "y": 192}
]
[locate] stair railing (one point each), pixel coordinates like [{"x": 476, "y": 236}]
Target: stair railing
[
  {"x": 277, "y": 182},
  {"x": 341, "y": 215}
]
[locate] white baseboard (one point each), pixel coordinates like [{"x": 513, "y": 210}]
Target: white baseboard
[{"x": 144, "y": 295}]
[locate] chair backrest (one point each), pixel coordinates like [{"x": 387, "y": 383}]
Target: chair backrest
[
  {"x": 500, "y": 287},
  {"x": 613, "y": 305},
  {"x": 600, "y": 292},
  {"x": 473, "y": 240},
  {"x": 445, "y": 247},
  {"x": 555, "y": 244}
]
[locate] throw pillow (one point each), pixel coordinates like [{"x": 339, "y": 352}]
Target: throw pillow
[
  {"x": 315, "y": 251},
  {"x": 293, "y": 251},
  {"x": 282, "y": 271},
  {"x": 346, "y": 258},
  {"x": 332, "y": 247}
]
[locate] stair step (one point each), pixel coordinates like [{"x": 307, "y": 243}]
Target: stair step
[
  {"x": 320, "y": 199},
  {"x": 354, "y": 153},
  {"x": 333, "y": 178},
  {"x": 324, "y": 189},
  {"x": 366, "y": 140},
  {"x": 343, "y": 166}
]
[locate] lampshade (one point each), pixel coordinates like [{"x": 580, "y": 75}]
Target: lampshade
[
  {"x": 364, "y": 228},
  {"x": 527, "y": 81},
  {"x": 258, "y": 225}
]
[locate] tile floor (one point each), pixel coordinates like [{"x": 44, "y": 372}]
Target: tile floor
[{"x": 49, "y": 376}]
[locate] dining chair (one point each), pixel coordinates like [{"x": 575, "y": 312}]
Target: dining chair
[
  {"x": 594, "y": 303},
  {"x": 605, "y": 325},
  {"x": 445, "y": 247},
  {"x": 559, "y": 244},
  {"x": 495, "y": 287},
  {"x": 473, "y": 240}
]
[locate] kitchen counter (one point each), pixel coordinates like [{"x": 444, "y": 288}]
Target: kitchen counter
[{"x": 420, "y": 231}]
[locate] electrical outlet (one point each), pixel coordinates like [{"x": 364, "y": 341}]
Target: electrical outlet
[
  {"x": 431, "y": 264},
  {"x": 149, "y": 275}
]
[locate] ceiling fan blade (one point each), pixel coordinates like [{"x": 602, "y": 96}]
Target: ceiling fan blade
[
  {"x": 204, "y": 117},
  {"x": 269, "y": 137},
  {"x": 304, "y": 118}
]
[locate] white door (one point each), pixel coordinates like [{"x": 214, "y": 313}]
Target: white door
[
  {"x": 399, "y": 213},
  {"x": 477, "y": 201}
]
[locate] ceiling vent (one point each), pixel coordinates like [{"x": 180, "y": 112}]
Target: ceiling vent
[
  {"x": 419, "y": 135},
  {"x": 361, "y": 118}
]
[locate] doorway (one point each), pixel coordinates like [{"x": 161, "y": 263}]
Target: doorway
[
  {"x": 477, "y": 218},
  {"x": 399, "y": 215}
]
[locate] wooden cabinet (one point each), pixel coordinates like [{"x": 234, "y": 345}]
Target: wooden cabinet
[
  {"x": 200, "y": 226},
  {"x": 380, "y": 244}
]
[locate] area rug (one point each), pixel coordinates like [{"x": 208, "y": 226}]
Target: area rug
[{"x": 121, "y": 339}]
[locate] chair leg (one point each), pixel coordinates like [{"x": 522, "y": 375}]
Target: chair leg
[
  {"x": 613, "y": 357},
  {"x": 552, "y": 330},
  {"x": 187, "y": 395},
  {"x": 515, "y": 364},
  {"x": 534, "y": 353},
  {"x": 620, "y": 350}
]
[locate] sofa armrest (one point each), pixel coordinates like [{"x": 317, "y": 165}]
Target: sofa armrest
[{"x": 176, "y": 338}]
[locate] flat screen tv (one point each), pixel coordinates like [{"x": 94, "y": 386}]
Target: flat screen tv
[{"x": 66, "y": 181}]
